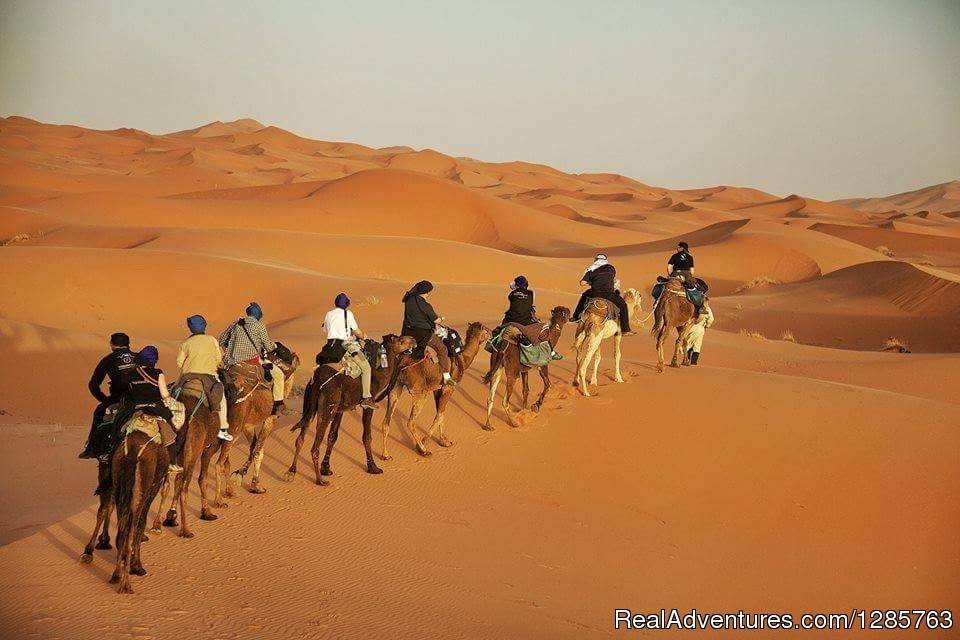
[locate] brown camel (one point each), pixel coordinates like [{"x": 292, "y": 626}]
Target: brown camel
[
  {"x": 672, "y": 310},
  {"x": 329, "y": 393},
  {"x": 423, "y": 377},
  {"x": 139, "y": 465},
  {"x": 199, "y": 432},
  {"x": 595, "y": 327},
  {"x": 100, "y": 538},
  {"x": 507, "y": 359},
  {"x": 251, "y": 415}
]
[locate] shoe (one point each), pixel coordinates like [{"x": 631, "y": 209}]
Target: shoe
[
  {"x": 368, "y": 403},
  {"x": 278, "y": 406},
  {"x": 174, "y": 468},
  {"x": 694, "y": 358},
  {"x": 556, "y": 356},
  {"x": 87, "y": 454},
  {"x": 629, "y": 333},
  {"x": 447, "y": 380},
  {"x": 225, "y": 435}
]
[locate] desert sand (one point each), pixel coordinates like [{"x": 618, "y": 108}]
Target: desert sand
[{"x": 798, "y": 469}]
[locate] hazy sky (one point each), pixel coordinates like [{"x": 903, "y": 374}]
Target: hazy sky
[{"x": 825, "y": 98}]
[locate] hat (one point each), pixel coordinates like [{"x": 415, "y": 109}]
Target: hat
[
  {"x": 419, "y": 289},
  {"x": 197, "y": 324},
  {"x": 254, "y": 311},
  {"x": 148, "y": 355},
  {"x": 341, "y": 301}
]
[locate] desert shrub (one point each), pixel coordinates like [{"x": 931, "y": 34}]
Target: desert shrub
[
  {"x": 885, "y": 250},
  {"x": 759, "y": 281},
  {"x": 895, "y": 344},
  {"x": 20, "y": 237},
  {"x": 756, "y": 335},
  {"x": 788, "y": 336}
]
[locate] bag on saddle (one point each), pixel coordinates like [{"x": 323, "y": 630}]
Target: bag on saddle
[
  {"x": 613, "y": 313},
  {"x": 451, "y": 339},
  {"x": 331, "y": 352},
  {"x": 178, "y": 410},
  {"x": 536, "y": 355},
  {"x": 150, "y": 426}
]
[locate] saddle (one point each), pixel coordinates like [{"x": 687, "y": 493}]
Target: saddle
[
  {"x": 451, "y": 339},
  {"x": 242, "y": 379},
  {"x": 598, "y": 305}
]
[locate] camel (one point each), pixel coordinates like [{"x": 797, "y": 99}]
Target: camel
[
  {"x": 199, "y": 433},
  {"x": 139, "y": 465},
  {"x": 250, "y": 414},
  {"x": 507, "y": 359},
  {"x": 594, "y": 327},
  {"x": 423, "y": 377},
  {"x": 672, "y": 310},
  {"x": 330, "y": 393}
]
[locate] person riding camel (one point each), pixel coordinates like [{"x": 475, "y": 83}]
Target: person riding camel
[
  {"x": 247, "y": 340},
  {"x": 522, "y": 310},
  {"x": 601, "y": 280},
  {"x": 199, "y": 358},
  {"x": 341, "y": 327},
  {"x": 420, "y": 323},
  {"x": 693, "y": 338},
  {"x": 680, "y": 265},
  {"x": 114, "y": 366},
  {"x": 146, "y": 391}
]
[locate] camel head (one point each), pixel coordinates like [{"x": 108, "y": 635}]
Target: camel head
[
  {"x": 398, "y": 344},
  {"x": 559, "y": 316},
  {"x": 634, "y": 301},
  {"x": 477, "y": 332}
]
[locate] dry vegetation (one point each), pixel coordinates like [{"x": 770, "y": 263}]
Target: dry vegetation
[
  {"x": 20, "y": 237},
  {"x": 756, "y": 335},
  {"x": 756, "y": 283},
  {"x": 896, "y": 345},
  {"x": 885, "y": 250},
  {"x": 788, "y": 336}
]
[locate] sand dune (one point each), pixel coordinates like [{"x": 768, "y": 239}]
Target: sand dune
[{"x": 796, "y": 449}]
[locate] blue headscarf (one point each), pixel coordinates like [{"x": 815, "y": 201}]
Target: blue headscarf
[
  {"x": 197, "y": 324},
  {"x": 520, "y": 282},
  {"x": 149, "y": 356},
  {"x": 254, "y": 311},
  {"x": 341, "y": 301}
]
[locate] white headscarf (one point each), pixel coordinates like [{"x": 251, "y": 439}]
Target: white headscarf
[{"x": 598, "y": 262}]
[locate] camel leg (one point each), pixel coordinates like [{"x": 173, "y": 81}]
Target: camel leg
[
  {"x": 677, "y": 349},
  {"x": 222, "y": 473},
  {"x": 584, "y": 360},
  {"x": 183, "y": 486},
  {"x": 415, "y": 408},
  {"x": 326, "y": 415},
  {"x": 103, "y": 514},
  {"x": 661, "y": 336},
  {"x": 441, "y": 398},
  {"x": 368, "y": 441},
  {"x": 508, "y": 385},
  {"x": 156, "y": 528},
  {"x": 325, "y": 469},
  {"x": 525, "y": 381},
  {"x": 392, "y": 400},
  {"x": 597, "y": 354},
  {"x": 140, "y": 524},
  {"x": 104, "y": 542},
  {"x": 545, "y": 376},
  {"x": 241, "y": 473},
  {"x": 257, "y": 453},
  {"x": 205, "y": 512},
  {"x": 617, "y": 338},
  {"x": 494, "y": 383},
  {"x": 121, "y": 571},
  {"x": 291, "y": 473}
]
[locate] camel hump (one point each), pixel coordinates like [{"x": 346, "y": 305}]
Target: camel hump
[{"x": 602, "y": 306}]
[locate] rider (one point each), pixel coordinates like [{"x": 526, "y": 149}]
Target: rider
[
  {"x": 693, "y": 340},
  {"x": 116, "y": 365},
  {"x": 420, "y": 322},
  {"x": 521, "y": 309},
  {"x": 146, "y": 391},
  {"x": 680, "y": 265},
  {"x": 247, "y": 340},
  {"x": 198, "y": 359},
  {"x": 601, "y": 280},
  {"x": 342, "y": 327}
]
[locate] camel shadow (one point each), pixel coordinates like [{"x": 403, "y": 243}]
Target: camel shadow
[{"x": 74, "y": 553}]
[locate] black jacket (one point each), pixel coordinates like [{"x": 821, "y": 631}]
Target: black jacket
[
  {"x": 521, "y": 307},
  {"x": 417, "y": 313},
  {"x": 116, "y": 366},
  {"x": 602, "y": 279},
  {"x": 681, "y": 261}
]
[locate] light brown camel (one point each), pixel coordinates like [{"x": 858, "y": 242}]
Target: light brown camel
[
  {"x": 139, "y": 465},
  {"x": 423, "y": 377},
  {"x": 672, "y": 310},
  {"x": 199, "y": 432},
  {"x": 507, "y": 359},
  {"x": 251, "y": 415},
  {"x": 594, "y": 327},
  {"x": 329, "y": 393}
]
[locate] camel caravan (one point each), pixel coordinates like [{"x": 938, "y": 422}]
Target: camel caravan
[{"x": 149, "y": 437}]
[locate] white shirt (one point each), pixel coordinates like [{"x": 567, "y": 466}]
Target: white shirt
[{"x": 337, "y": 328}]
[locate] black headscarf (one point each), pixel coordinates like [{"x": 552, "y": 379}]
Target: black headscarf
[{"x": 422, "y": 287}]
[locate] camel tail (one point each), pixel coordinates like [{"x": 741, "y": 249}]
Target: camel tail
[{"x": 310, "y": 397}]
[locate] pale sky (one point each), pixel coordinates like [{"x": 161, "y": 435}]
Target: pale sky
[{"x": 822, "y": 98}]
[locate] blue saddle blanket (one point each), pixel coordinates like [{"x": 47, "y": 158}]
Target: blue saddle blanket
[{"x": 695, "y": 296}]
